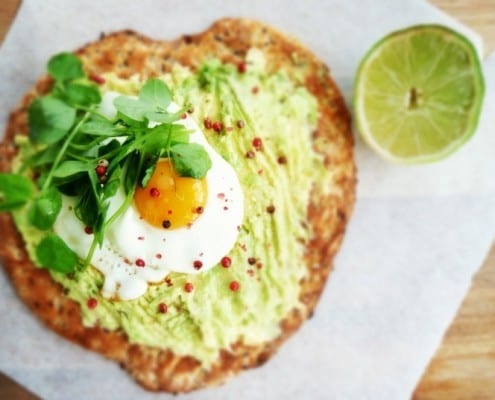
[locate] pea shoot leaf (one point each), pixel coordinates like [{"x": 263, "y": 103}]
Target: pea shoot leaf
[
  {"x": 77, "y": 94},
  {"x": 190, "y": 160},
  {"x": 88, "y": 207},
  {"x": 45, "y": 209},
  {"x": 65, "y": 66},
  {"x": 159, "y": 138},
  {"x": 71, "y": 167},
  {"x": 149, "y": 169},
  {"x": 162, "y": 116},
  {"x": 132, "y": 169},
  {"x": 100, "y": 127},
  {"x": 54, "y": 254},
  {"x": 156, "y": 139},
  {"x": 15, "y": 191},
  {"x": 179, "y": 134},
  {"x": 154, "y": 98},
  {"x": 49, "y": 120},
  {"x": 113, "y": 183},
  {"x": 131, "y": 108},
  {"x": 156, "y": 94}
]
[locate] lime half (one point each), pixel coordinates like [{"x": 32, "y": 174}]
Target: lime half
[{"x": 418, "y": 94}]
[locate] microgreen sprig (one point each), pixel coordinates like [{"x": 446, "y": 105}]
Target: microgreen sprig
[{"x": 87, "y": 155}]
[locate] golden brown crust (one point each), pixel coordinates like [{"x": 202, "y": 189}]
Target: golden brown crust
[{"x": 127, "y": 53}]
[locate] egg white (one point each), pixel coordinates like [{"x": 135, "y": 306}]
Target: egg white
[{"x": 210, "y": 237}]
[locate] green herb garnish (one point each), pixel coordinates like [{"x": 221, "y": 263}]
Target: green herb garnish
[
  {"x": 15, "y": 191},
  {"x": 53, "y": 253},
  {"x": 84, "y": 154}
]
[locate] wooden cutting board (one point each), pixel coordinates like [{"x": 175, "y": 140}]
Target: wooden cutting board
[{"x": 463, "y": 367}]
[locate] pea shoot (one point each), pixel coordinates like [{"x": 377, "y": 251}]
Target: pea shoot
[{"x": 81, "y": 152}]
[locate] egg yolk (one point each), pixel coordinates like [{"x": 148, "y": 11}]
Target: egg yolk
[{"x": 170, "y": 201}]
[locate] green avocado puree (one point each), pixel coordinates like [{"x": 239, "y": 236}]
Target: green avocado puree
[{"x": 267, "y": 260}]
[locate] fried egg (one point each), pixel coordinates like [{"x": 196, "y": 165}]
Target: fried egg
[{"x": 174, "y": 224}]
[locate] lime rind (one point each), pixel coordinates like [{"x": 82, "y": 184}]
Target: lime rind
[{"x": 406, "y": 144}]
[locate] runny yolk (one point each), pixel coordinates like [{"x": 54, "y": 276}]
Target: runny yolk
[{"x": 170, "y": 201}]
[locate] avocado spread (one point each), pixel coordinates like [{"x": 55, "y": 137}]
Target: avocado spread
[{"x": 262, "y": 125}]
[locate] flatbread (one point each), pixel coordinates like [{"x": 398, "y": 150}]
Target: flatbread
[{"x": 127, "y": 53}]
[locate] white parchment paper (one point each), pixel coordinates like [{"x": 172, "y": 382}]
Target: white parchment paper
[{"x": 416, "y": 237}]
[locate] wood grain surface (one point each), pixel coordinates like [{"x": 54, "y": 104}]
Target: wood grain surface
[
  {"x": 478, "y": 14},
  {"x": 8, "y": 10},
  {"x": 463, "y": 367}
]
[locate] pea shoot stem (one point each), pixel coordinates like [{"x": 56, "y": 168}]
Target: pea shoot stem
[
  {"x": 85, "y": 147},
  {"x": 120, "y": 210},
  {"x": 76, "y": 156},
  {"x": 62, "y": 151},
  {"x": 91, "y": 252}
]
